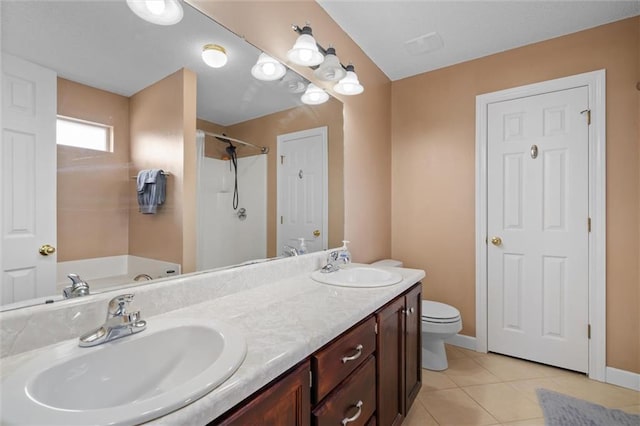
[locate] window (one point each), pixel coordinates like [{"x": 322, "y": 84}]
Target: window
[{"x": 84, "y": 134}]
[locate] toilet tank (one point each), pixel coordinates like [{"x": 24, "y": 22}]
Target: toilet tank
[{"x": 388, "y": 262}]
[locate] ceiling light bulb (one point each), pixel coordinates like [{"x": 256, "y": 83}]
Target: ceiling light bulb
[
  {"x": 214, "y": 55},
  {"x": 161, "y": 12},
  {"x": 349, "y": 85},
  {"x": 157, "y": 7},
  {"x": 268, "y": 69},
  {"x": 305, "y": 50},
  {"x": 331, "y": 68},
  {"x": 314, "y": 95}
]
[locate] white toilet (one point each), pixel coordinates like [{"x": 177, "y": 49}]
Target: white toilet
[{"x": 439, "y": 322}]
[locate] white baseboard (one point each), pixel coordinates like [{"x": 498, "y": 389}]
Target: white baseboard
[
  {"x": 623, "y": 378},
  {"x": 462, "y": 341}
]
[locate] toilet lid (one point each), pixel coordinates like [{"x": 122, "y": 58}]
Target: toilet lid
[{"x": 436, "y": 311}]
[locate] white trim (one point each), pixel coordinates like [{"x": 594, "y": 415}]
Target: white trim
[
  {"x": 626, "y": 379},
  {"x": 463, "y": 341},
  {"x": 595, "y": 82}
]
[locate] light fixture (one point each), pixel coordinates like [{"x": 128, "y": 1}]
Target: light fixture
[
  {"x": 214, "y": 55},
  {"x": 314, "y": 95},
  {"x": 268, "y": 69},
  {"x": 349, "y": 85},
  {"x": 305, "y": 50},
  {"x": 331, "y": 68},
  {"x": 161, "y": 12},
  {"x": 293, "y": 83}
]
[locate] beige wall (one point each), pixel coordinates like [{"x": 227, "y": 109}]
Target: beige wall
[
  {"x": 367, "y": 126},
  {"x": 163, "y": 123},
  {"x": 265, "y": 130},
  {"x": 92, "y": 193},
  {"x": 433, "y": 133}
]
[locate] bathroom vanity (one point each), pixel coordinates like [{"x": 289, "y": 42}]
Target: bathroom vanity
[
  {"x": 368, "y": 375},
  {"x": 315, "y": 353}
]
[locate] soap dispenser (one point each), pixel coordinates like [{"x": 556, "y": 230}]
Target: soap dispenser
[
  {"x": 302, "y": 248},
  {"x": 344, "y": 256}
]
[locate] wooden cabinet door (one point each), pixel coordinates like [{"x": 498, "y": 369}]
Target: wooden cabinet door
[
  {"x": 390, "y": 363},
  {"x": 413, "y": 345},
  {"x": 287, "y": 402}
]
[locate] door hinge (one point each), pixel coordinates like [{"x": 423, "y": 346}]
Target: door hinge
[
  {"x": 282, "y": 159},
  {"x": 589, "y": 224},
  {"x": 588, "y": 331},
  {"x": 588, "y": 112},
  {"x": 310, "y": 379},
  {"x": 281, "y": 220}
]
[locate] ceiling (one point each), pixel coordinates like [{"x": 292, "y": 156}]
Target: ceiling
[
  {"x": 468, "y": 29},
  {"x": 104, "y": 45}
]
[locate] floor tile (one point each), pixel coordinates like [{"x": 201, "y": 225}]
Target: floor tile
[
  {"x": 435, "y": 380},
  {"x": 504, "y": 402},
  {"x": 528, "y": 422},
  {"x": 507, "y": 368},
  {"x": 597, "y": 392},
  {"x": 469, "y": 353},
  {"x": 419, "y": 416},
  {"x": 633, "y": 409},
  {"x": 455, "y": 407},
  {"x": 467, "y": 372},
  {"x": 454, "y": 352}
]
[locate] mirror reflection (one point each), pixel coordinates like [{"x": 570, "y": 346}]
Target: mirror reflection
[{"x": 247, "y": 169}]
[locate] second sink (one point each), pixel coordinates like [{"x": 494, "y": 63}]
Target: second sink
[{"x": 362, "y": 276}]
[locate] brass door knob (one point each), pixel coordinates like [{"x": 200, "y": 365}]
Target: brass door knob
[
  {"x": 316, "y": 233},
  {"x": 46, "y": 250},
  {"x": 496, "y": 241}
]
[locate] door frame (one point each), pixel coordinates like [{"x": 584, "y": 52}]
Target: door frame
[
  {"x": 595, "y": 81},
  {"x": 316, "y": 131}
]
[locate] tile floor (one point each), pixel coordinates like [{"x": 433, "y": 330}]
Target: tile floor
[{"x": 490, "y": 389}]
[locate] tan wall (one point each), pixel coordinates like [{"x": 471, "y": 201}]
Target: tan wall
[
  {"x": 433, "y": 129},
  {"x": 367, "y": 126},
  {"x": 163, "y": 125},
  {"x": 264, "y": 132},
  {"x": 92, "y": 193}
]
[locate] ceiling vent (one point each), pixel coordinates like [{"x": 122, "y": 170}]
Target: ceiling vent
[{"x": 424, "y": 44}]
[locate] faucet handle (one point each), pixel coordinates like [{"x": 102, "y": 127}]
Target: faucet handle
[{"x": 118, "y": 305}]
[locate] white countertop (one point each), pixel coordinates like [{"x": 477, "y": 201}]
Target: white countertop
[{"x": 283, "y": 322}]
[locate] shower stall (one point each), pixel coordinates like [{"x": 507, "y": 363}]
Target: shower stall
[{"x": 228, "y": 235}]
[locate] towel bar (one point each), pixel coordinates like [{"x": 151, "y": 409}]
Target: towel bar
[{"x": 164, "y": 173}]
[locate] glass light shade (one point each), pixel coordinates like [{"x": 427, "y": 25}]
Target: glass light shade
[
  {"x": 314, "y": 95},
  {"x": 305, "y": 51},
  {"x": 350, "y": 84},
  {"x": 213, "y": 55},
  {"x": 161, "y": 12},
  {"x": 331, "y": 68},
  {"x": 268, "y": 69}
]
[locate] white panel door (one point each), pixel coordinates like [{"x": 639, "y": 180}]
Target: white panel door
[
  {"x": 538, "y": 208},
  {"x": 28, "y": 180},
  {"x": 302, "y": 189}
]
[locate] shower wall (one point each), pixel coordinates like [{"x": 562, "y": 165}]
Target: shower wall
[{"x": 222, "y": 237}]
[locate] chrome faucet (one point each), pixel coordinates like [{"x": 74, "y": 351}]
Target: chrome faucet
[
  {"x": 77, "y": 288},
  {"x": 290, "y": 251},
  {"x": 119, "y": 323},
  {"x": 333, "y": 262}
]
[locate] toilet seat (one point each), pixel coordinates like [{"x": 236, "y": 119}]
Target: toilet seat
[{"x": 439, "y": 313}]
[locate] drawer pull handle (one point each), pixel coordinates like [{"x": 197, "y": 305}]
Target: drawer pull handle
[
  {"x": 408, "y": 312},
  {"x": 346, "y": 359},
  {"x": 355, "y": 416}
]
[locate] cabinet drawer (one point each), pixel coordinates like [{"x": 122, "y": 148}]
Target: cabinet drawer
[
  {"x": 336, "y": 361},
  {"x": 354, "y": 399}
]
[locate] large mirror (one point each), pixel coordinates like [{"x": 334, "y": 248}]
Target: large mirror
[{"x": 247, "y": 168}]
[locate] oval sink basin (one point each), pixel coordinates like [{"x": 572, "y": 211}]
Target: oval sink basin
[
  {"x": 126, "y": 381},
  {"x": 358, "y": 276}
]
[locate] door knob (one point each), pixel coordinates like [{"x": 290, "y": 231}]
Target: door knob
[
  {"x": 316, "y": 233},
  {"x": 46, "y": 250},
  {"x": 496, "y": 241}
]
